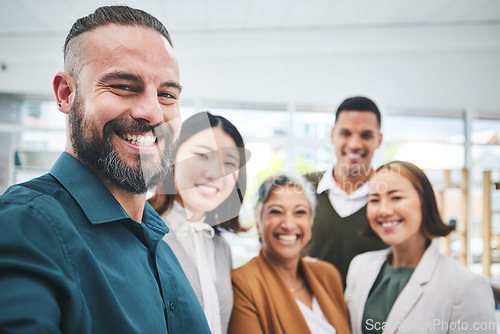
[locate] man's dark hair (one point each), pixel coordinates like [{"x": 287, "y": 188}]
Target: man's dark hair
[
  {"x": 122, "y": 15},
  {"x": 359, "y": 103}
]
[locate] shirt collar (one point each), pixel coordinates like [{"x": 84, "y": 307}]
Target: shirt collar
[
  {"x": 153, "y": 220},
  {"x": 328, "y": 183},
  {"x": 96, "y": 201}
]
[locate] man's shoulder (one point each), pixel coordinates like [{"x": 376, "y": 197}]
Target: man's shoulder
[
  {"x": 28, "y": 191},
  {"x": 36, "y": 200},
  {"x": 34, "y": 221},
  {"x": 314, "y": 177}
]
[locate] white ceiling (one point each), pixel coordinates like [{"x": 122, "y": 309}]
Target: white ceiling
[
  {"x": 46, "y": 17},
  {"x": 404, "y": 53}
]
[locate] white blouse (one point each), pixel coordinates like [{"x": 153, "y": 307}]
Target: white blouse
[
  {"x": 315, "y": 318},
  {"x": 196, "y": 239}
]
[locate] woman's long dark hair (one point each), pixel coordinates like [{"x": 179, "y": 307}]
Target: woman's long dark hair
[{"x": 227, "y": 213}]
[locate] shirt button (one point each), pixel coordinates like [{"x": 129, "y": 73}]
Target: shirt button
[{"x": 171, "y": 305}]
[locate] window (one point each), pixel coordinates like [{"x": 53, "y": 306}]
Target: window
[{"x": 281, "y": 137}]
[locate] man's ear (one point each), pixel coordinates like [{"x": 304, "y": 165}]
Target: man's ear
[
  {"x": 379, "y": 139},
  {"x": 64, "y": 88},
  {"x": 332, "y": 134}
]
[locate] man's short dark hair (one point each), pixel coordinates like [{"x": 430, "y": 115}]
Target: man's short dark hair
[
  {"x": 122, "y": 15},
  {"x": 359, "y": 103}
]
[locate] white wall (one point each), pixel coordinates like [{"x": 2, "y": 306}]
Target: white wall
[{"x": 416, "y": 67}]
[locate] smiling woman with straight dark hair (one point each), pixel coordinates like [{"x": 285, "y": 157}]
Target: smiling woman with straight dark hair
[{"x": 203, "y": 195}]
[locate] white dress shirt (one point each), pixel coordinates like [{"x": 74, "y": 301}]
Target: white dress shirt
[{"x": 343, "y": 203}]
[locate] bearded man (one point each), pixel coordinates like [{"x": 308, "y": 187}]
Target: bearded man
[{"x": 80, "y": 250}]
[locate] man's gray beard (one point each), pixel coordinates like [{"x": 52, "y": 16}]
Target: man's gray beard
[
  {"x": 133, "y": 180},
  {"x": 99, "y": 154}
]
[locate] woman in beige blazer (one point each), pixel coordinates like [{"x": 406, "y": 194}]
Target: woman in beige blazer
[
  {"x": 278, "y": 291},
  {"x": 411, "y": 287}
]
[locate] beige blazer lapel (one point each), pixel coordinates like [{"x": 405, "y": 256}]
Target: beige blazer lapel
[
  {"x": 413, "y": 290},
  {"x": 403, "y": 305},
  {"x": 288, "y": 312},
  {"x": 365, "y": 284},
  {"x": 322, "y": 296},
  {"x": 363, "y": 271},
  {"x": 324, "y": 299}
]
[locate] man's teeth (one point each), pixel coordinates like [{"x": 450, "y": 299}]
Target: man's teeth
[
  {"x": 288, "y": 238},
  {"x": 139, "y": 140},
  {"x": 353, "y": 156},
  {"x": 389, "y": 224},
  {"x": 208, "y": 189}
]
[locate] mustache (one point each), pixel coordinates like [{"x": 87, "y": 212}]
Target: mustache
[{"x": 161, "y": 130}]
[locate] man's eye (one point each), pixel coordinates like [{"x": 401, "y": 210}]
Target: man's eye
[
  {"x": 122, "y": 90},
  {"x": 373, "y": 200},
  {"x": 122, "y": 87},
  {"x": 167, "y": 95},
  {"x": 275, "y": 212},
  {"x": 301, "y": 212}
]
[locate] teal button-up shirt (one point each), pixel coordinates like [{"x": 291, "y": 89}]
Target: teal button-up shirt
[{"x": 73, "y": 261}]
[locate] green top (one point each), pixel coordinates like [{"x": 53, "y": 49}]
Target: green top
[{"x": 386, "y": 289}]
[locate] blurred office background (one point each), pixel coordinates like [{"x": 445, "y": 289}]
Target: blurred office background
[{"x": 278, "y": 70}]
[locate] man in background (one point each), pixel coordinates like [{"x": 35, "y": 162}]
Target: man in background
[
  {"x": 80, "y": 250},
  {"x": 343, "y": 190}
]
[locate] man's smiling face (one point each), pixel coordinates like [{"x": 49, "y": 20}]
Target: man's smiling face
[
  {"x": 356, "y": 136},
  {"x": 125, "y": 110}
]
